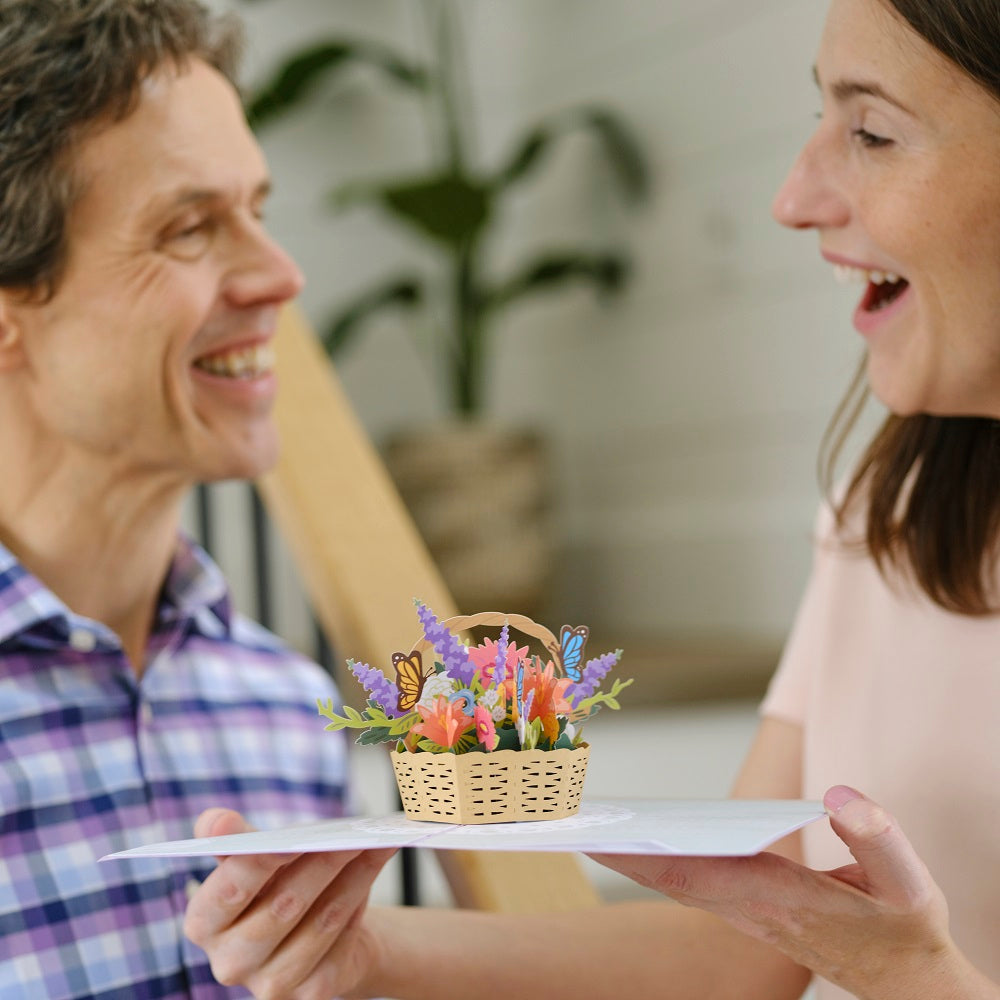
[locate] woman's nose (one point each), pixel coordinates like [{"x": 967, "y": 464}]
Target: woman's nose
[{"x": 811, "y": 197}]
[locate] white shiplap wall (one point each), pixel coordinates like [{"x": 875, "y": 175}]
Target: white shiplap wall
[{"x": 686, "y": 417}]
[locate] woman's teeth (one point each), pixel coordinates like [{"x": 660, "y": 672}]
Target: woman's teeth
[
  {"x": 246, "y": 362},
  {"x": 845, "y": 275}
]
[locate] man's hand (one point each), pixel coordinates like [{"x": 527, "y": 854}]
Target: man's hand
[{"x": 288, "y": 926}]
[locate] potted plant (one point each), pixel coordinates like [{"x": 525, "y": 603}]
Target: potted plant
[{"x": 476, "y": 491}]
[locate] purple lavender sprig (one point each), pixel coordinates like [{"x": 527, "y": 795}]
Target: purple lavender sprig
[
  {"x": 500, "y": 669},
  {"x": 380, "y": 689},
  {"x": 452, "y": 651},
  {"x": 593, "y": 673}
]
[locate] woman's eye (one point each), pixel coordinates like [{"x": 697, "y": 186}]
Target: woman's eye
[{"x": 869, "y": 139}]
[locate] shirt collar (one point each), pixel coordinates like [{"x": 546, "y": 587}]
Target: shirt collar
[{"x": 194, "y": 590}]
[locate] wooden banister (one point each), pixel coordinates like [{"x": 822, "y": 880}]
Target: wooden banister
[{"x": 362, "y": 563}]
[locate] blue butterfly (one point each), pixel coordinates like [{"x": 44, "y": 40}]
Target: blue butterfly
[{"x": 571, "y": 645}]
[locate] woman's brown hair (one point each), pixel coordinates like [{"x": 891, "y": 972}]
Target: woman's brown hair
[{"x": 931, "y": 485}]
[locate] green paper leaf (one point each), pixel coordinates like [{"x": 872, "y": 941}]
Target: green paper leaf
[
  {"x": 507, "y": 740},
  {"x": 377, "y": 734}
]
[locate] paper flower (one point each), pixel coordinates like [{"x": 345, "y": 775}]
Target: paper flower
[
  {"x": 438, "y": 684},
  {"x": 443, "y": 722},
  {"x": 492, "y": 669},
  {"x": 494, "y": 695},
  {"x": 486, "y": 730},
  {"x": 549, "y": 701},
  {"x": 494, "y": 702},
  {"x": 453, "y": 652},
  {"x": 593, "y": 673},
  {"x": 378, "y": 686}
]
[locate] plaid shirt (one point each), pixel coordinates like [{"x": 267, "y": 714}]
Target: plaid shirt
[{"x": 93, "y": 760}]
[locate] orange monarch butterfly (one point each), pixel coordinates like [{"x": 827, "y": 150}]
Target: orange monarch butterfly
[{"x": 410, "y": 678}]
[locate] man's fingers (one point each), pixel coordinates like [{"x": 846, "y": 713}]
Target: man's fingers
[
  {"x": 322, "y": 945},
  {"x": 894, "y": 872},
  {"x": 219, "y": 822}
]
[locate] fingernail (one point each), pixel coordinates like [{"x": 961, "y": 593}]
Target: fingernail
[
  {"x": 205, "y": 823},
  {"x": 838, "y": 796}
]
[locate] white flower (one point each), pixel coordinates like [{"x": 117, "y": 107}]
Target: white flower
[
  {"x": 434, "y": 687},
  {"x": 492, "y": 702}
]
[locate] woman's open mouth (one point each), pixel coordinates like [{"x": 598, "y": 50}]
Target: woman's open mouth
[{"x": 883, "y": 289}]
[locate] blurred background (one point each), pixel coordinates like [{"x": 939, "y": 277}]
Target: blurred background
[{"x": 680, "y": 358}]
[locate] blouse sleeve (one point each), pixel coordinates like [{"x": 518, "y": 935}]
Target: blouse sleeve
[{"x": 788, "y": 693}]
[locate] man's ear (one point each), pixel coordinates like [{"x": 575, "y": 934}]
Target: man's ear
[{"x": 11, "y": 335}]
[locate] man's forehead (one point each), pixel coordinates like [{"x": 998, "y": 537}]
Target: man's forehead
[{"x": 186, "y": 141}]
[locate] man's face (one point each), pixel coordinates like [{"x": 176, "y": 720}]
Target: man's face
[{"x": 154, "y": 354}]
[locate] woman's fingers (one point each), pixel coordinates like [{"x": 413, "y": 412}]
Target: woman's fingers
[{"x": 891, "y": 872}]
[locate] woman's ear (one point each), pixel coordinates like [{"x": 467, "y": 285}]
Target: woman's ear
[{"x": 11, "y": 341}]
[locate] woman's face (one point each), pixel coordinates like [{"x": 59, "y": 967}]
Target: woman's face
[{"x": 902, "y": 182}]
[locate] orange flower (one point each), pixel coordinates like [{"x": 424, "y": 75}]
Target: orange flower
[
  {"x": 549, "y": 700},
  {"x": 444, "y": 721}
]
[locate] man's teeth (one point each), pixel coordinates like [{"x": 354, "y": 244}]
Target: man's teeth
[
  {"x": 247, "y": 362},
  {"x": 845, "y": 275}
]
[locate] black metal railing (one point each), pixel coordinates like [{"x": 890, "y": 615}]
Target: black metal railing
[{"x": 259, "y": 532}]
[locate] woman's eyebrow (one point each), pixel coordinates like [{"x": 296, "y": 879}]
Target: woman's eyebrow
[{"x": 845, "y": 89}]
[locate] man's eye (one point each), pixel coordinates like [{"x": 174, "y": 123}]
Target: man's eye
[
  {"x": 189, "y": 238},
  {"x": 869, "y": 139},
  {"x": 199, "y": 227}
]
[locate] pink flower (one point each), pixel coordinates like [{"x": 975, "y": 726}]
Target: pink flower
[
  {"x": 443, "y": 722},
  {"x": 484, "y": 656},
  {"x": 486, "y": 730}
]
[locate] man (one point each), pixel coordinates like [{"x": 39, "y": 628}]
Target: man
[{"x": 139, "y": 294}]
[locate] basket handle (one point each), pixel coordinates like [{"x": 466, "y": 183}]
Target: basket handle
[{"x": 522, "y": 623}]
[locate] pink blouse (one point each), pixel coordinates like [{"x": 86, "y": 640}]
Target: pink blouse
[{"x": 901, "y": 699}]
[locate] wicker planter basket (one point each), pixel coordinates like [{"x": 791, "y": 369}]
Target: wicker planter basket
[{"x": 502, "y": 787}]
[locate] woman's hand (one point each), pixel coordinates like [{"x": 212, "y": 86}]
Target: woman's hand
[
  {"x": 286, "y": 926},
  {"x": 878, "y": 928}
]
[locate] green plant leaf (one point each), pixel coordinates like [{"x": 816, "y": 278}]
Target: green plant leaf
[
  {"x": 607, "y": 271},
  {"x": 295, "y": 78},
  {"x": 448, "y": 208},
  {"x": 614, "y": 135},
  {"x": 622, "y": 150},
  {"x": 406, "y": 293}
]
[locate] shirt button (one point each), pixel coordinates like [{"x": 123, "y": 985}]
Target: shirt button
[
  {"x": 146, "y": 714},
  {"x": 82, "y": 640}
]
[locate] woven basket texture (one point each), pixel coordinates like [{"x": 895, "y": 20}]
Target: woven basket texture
[{"x": 502, "y": 787}]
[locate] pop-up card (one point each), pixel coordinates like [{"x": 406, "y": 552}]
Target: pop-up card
[
  {"x": 693, "y": 828},
  {"x": 487, "y": 733}
]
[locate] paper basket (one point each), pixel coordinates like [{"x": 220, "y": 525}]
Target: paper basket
[{"x": 503, "y": 787}]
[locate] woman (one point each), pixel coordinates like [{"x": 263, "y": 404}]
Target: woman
[{"x": 890, "y": 680}]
